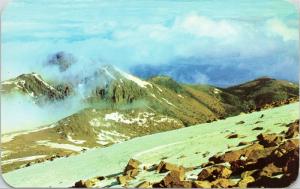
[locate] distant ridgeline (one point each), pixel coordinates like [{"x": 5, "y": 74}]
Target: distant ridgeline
[{"x": 191, "y": 104}]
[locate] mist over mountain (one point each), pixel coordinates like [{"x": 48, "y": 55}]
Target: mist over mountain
[{"x": 222, "y": 72}]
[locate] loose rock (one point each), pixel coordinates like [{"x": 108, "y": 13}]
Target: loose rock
[
  {"x": 215, "y": 172},
  {"x": 165, "y": 167},
  {"x": 268, "y": 140},
  {"x": 201, "y": 184},
  {"x": 293, "y": 130}
]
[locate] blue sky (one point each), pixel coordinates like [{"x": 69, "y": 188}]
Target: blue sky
[{"x": 130, "y": 33}]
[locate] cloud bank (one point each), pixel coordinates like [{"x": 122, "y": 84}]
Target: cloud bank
[
  {"x": 129, "y": 34},
  {"x": 214, "y": 42}
]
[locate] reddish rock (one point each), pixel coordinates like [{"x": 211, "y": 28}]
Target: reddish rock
[
  {"x": 132, "y": 164},
  {"x": 165, "y": 167},
  {"x": 260, "y": 153},
  {"x": 122, "y": 180},
  {"x": 286, "y": 146},
  {"x": 231, "y": 156},
  {"x": 185, "y": 184},
  {"x": 291, "y": 163},
  {"x": 293, "y": 130},
  {"x": 270, "y": 170},
  {"x": 245, "y": 181},
  {"x": 132, "y": 172},
  {"x": 172, "y": 180},
  {"x": 132, "y": 168},
  {"x": 222, "y": 183},
  {"x": 80, "y": 184},
  {"x": 214, "y": 172},
  {"x": 268, "y": 140},
  {"x": 231, "y": 136},
  {"x": 201, "y": 184},
  {"x": 85, "y": 184}
]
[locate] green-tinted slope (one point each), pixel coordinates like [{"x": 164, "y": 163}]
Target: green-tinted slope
[{"x": 264, "y": 91}]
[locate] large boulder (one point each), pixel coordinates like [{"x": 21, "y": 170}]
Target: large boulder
[
  {"x": 257, "y": 154},
  {"x": 269, "y": 140},
  {"x": 174, "y": 179},
  {"x": 132, "y": 168},
  {"x": 88, "y": 183},
  {"x": 293, "y": 130},
  {"x": 201, "y": 184},
  {"x": 85, "y": 184},
  {"x": 214, "y": 172},
  {"x": 123, "y": 179},
  {"x": 236, "y": 155},
  {"x": 285, "y": 147},
  {"x": 165, "y": 167},
  {"x": 270, "y": 170}
]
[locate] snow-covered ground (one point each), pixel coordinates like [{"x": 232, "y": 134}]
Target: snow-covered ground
[
  {"x": 22, "y": 159},
  {"x": 62, "y": 146},
  {"x": 138, "y": 81},
  {"x": 140, "y": 119},
  {"x": 75, "y": 141},
  {"x": 10, "y": 136},
  {"x": 188, "y": 143}
]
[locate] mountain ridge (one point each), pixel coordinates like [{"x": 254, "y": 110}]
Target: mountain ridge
[{"x": 121, "y": 107}]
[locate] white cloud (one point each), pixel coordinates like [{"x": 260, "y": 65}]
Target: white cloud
[
  {"x": 99, "y": 31},
  {"x": 204, "y": 27},
  {"x": 280, "y": 29}
]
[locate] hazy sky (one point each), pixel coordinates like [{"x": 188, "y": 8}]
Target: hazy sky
[{"x": 128, "y": 33}]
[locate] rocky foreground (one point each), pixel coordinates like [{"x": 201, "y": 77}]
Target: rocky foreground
[{"x": 272, "y": 160}]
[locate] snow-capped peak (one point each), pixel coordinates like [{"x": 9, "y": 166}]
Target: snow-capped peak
[{"x": 138, "y": 81}]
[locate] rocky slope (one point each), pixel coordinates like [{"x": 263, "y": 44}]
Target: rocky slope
[
  {"x": 256, "y": 149},
  {"x": 264, "y": 91},
  {"x": 34, "y": 86}
]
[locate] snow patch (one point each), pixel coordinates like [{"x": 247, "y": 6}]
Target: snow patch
[
  {"x": 29, "y": 158},
  {"x": 106, "y": 137},
  {"x": 94, "y": 122},
  {"x": 140, "y": 120},
  {"x": 75, "y": 141},
  {"x": 10, "y": 136},
  {"x": 60, "y": 146},
  {"x": 42, "y": 81},
  {"x": 168, "y": 102},
  {"x": 164, "y": 119},
  {"x": 159, "y": 89},
  {"x": 217, "y": 91},
  {"x": 180, "y": 96},
  {"x": 138, "y": 81}
]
